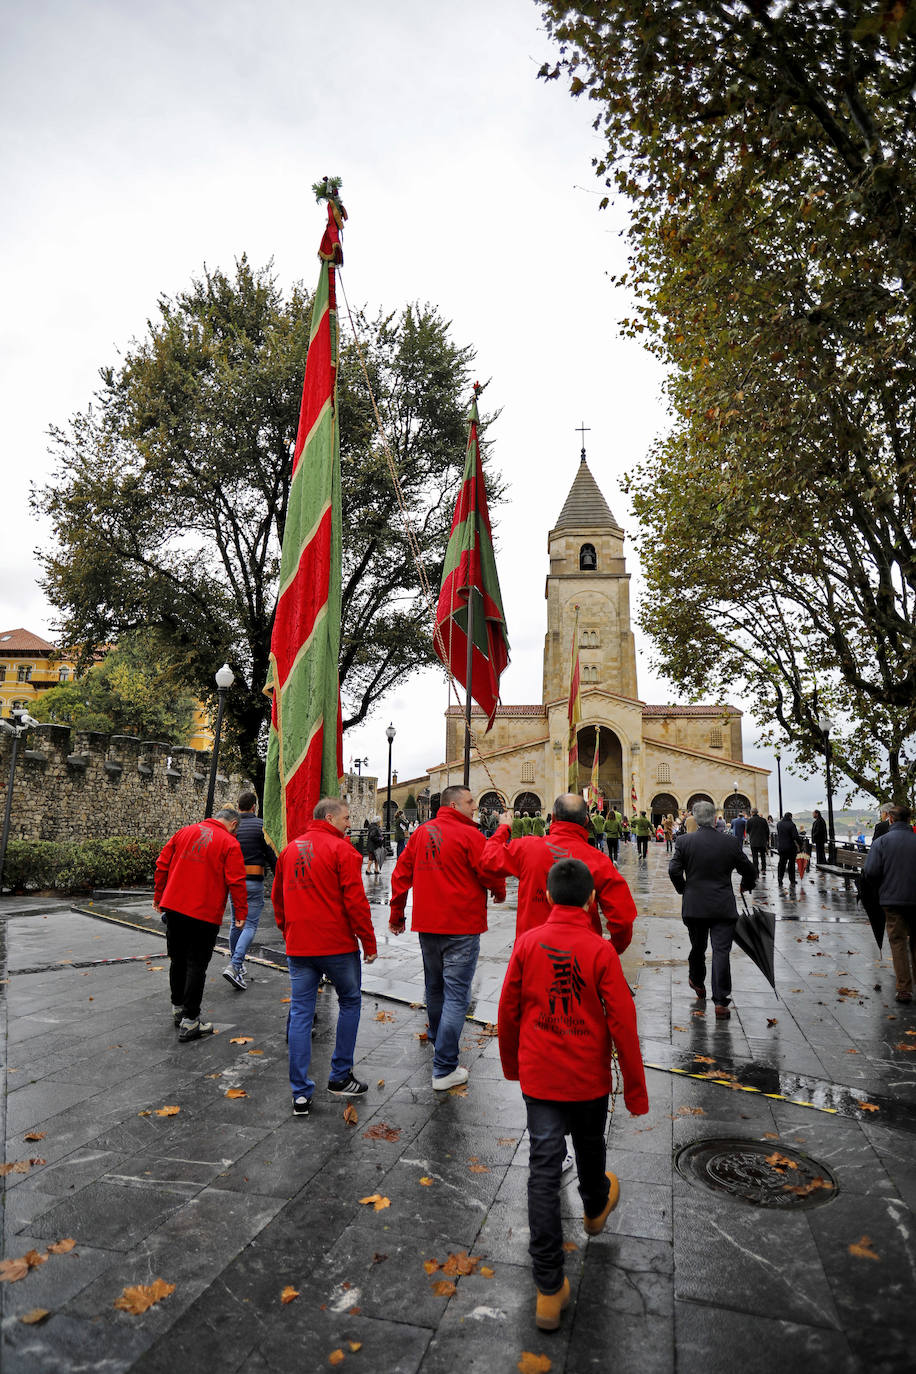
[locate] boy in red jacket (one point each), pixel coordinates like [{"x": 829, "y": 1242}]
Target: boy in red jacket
[{"x": 564, "y": 1007}]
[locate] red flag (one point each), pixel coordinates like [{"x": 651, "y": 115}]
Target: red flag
[
  {"x": 470, "y": 572},
  {"x": 575, "y": 709}
]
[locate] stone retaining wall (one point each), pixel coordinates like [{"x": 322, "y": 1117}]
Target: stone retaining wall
[{"x": 78, "y": 785}]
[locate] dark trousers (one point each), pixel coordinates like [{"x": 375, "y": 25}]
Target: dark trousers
[
  {"x": 786, "y": 864},
  {"x": 719, "y": 934},
  {"x": 759, "y": 855},
  {"x": 548, "y": 1125},
  {"x": 613, "y": 847},
  {"x": 642, "y": 846},
  {"x": 820, "y": 852},
  {"x": 190, "y": 948}
]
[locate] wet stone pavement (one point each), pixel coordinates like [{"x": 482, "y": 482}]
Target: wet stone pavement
[{"x": 232, "y": 1200}]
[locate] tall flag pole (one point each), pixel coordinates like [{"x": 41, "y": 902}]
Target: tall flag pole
[
  {"x": 470, "y": 628},
  {"x": 594, "y": 794},
  {"x": 575, "y": 709},
  {"x": 304, "y": 748}
]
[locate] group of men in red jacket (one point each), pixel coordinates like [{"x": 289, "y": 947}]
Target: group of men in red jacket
[{"x": 564, "y": 1008}]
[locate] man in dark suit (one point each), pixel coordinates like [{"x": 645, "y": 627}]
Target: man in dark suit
[
  {"x": 788, "y": 845},
  {"x": 701, "y": 869}
]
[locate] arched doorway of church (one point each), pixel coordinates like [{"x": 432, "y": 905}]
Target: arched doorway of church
[
  {"x": 491, "y": 801},
  {"x": 610, "y": 763},
  {"x": 663, "y": 804},
  {"x": 527, "y": 801},
  {"x": 734, "y": 804},
  {"x": 700, "y": 796}
]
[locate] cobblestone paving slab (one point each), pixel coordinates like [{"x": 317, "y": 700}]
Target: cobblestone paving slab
[{"x": 233, "y": 1200}]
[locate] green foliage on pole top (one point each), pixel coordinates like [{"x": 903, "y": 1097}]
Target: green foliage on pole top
[
  {"x": 768, "y": 155},
  {"x": 168, "y": 502},
  {"x": 328, "y": 188}
]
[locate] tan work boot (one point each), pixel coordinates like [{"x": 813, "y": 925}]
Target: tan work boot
[
  {"x": 549, "y": 1307},
  {"x": 595, "y": 1225}
]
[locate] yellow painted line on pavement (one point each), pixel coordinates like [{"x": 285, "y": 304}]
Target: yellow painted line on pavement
[{"x": 727, "y": 1083}]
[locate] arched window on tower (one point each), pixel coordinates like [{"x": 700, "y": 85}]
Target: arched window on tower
[{"x": 588, "y": 559}]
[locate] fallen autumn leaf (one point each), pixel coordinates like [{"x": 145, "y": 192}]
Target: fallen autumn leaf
[{"x": 140, "y": 1296}]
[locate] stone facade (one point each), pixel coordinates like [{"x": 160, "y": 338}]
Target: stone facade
[
  {"x": 76, "y": 785},
  {"x": 654, "y": 758}
]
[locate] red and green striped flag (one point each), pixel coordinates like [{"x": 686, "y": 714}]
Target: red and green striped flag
[
  {"x": 470, "y": 572},
  {"x": 304, "y": 749},
  {"x": 574, "y": 709}
]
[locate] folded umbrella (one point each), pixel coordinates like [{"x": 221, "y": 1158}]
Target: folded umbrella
[
  {"x": 867, "y": 893},
  {"x": 755, "y": 933},
  {"x": 801, "y": 863}
]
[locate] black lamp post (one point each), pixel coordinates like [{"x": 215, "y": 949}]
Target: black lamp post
[
  {"x": 19, "y": 722},
  {"x": 778, "y": 754},
  {"x": 826, "y": 725},
  {"x": 389, "y": 735},
  {"x": 224, "y": 680}
]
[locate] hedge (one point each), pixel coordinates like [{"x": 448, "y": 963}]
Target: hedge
[{"x": 43, "y": 864}]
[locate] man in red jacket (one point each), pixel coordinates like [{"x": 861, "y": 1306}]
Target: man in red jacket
[
  {"x": 321, "y": 908},
  {"x": 198, "y": 867},
  {"x": 443, "y": 862},
  {"x": 531, "y": 858},
  {"x": 564, "y": 1006}
]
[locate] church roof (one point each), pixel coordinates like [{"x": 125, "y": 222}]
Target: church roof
[
  {"x": 585, "y": 507},
  {"x": 709, "y": 710},
  {"x": 23, "y": 641}
]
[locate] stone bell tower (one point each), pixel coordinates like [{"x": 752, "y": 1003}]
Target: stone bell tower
[{"x": 587, "y": 569}]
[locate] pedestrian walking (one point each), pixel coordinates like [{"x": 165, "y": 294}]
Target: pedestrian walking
[
  {"x": 668, "y": 831},
  {"x": 197, "y": 869},
  {"x": 758, "y": 835},
  {"x": 563, "y": 1009},
  {"x": 401, "y": 832},
  {"x": 642, "y": 829},
  {"x": 443, "y": 863},
  {"x": 375, "y": 847},
  {"x": 891, "y": 868},
  {"x": 530, "y": 859},
  {"x": 321, "y": 909},
  {"x": 819, "y": 837},
  {"x": 788, "y": 845},
  {"x": 739, "y": 827},
  {"x": 701, "y": 870},
  {"x": 258, "y": 857},
  {"x": 613, "y": 830}
]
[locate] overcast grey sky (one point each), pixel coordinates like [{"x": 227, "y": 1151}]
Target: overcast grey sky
[{"x": 141, "y": 141}]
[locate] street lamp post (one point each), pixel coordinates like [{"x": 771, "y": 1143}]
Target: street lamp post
[
  {"x": 735, "y": 797},
  {"x": 778, "y": 754},
  {"x": 224, "y": 680},
  {"x": 826, "y": 725},
  {"x": 22, "y": 722},
  {"x": 389, "y": 735}
]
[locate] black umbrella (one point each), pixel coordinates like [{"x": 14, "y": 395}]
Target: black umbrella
[
  {"x": 755, "y": 932},
  {"x": 867, "y": 893}
]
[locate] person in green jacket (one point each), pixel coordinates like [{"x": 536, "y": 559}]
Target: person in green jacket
[
  {"x": 642, "y": 829},
  {"x": 517, "y": 826},
  {"x": 537, "y": 824},
  {"x": 526, "y": 823},
  {"x": 599, "y": 824},
  {"x": 613, "y": 830}
]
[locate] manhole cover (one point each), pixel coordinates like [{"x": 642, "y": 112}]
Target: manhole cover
[{"x": 759, "y": 1172}]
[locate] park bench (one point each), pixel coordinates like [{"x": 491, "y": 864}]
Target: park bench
[{"x": 849, "y": 862}]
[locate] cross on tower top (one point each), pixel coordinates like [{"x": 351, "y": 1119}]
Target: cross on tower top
[{"x": 583, "y": 429}]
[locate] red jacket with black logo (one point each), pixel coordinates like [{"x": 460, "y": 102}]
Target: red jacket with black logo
[
  {"x": 318, "y": 895},
  {"x": 564, "y": 1006},
  {"x": 196, "y": 870},
  {"x": 443, "y": 863},
  {"x": 531, "y": 858}
]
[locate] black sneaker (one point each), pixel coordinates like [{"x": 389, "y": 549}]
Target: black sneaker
[
  {"x": 301, "y": 1106},
  {"x": 193, "y": 1030},
  {"x": 348, "y": 1087}
]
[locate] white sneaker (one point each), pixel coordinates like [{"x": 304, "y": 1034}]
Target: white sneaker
[
  {"x": 451, "y": 1080},
  {"x": 235, "y": 976},
  {"x": 568, "y": 1163}
]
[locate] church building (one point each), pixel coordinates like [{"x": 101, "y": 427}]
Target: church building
[{"x": 660, "y": 759}]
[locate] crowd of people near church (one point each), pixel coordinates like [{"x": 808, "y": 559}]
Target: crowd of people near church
[{"x": 565, "y": 1010}]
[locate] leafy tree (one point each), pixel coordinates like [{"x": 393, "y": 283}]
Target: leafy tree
[
  {"x": 127, "y": 693},
  {"x": 169, "y": 500},
  {"x": 769, "y": 154}
]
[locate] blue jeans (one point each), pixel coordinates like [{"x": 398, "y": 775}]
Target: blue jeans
[
  {"x": 549, "y": 1123},
  {"x": 240, "y": 940},
  {"x": 305, "y": 972},
  {"x": 449, "y": 965}
]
